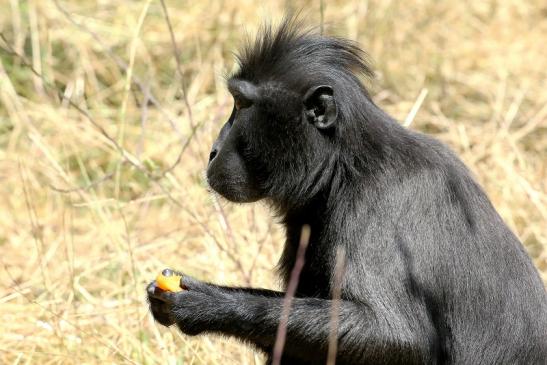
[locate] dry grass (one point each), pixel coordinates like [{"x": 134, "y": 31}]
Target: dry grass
[{"x": 89, "y": 216}]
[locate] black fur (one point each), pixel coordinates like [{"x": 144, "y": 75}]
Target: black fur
[{"x": 433, "y": 275}]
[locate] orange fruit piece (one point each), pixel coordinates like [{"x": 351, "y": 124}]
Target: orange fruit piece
[{"x": 168, "y": 283}]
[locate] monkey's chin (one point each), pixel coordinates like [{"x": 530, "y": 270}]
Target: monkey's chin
[{"x": 236, "y": 194}]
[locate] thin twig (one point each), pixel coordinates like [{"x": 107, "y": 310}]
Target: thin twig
[
  {"x": 177, "y": 59},
  {"x": 99, "y": 337},
  {"x": 82, "y": 188},
  {"x": 224, "y": 223},
  {"x": 127, "y": 156},
  {"x": 133, "y": 160},
  {"x": 135, "y": 280},
  {"x": 339, "y": 272},
  {"x": 176, "y": 53},
  {"x": 417, "y": 104},
  {"x": 122, "y": 65},
  {"x": 36, "y": 235},
  {"x": 290, "y": 293},
  {"x": 59, "y": 93},
  {"x": 144, "y": 118}
]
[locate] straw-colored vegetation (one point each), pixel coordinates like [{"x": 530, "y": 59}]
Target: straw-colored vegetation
[{"x": 94, "y": 200}]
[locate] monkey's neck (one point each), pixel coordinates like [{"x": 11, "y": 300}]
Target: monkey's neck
[
  {"x": 294, "y": 220},
  {"x": 322, "y": 220}
]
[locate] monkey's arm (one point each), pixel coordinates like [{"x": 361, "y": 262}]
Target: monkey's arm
[
  {"x": 256, "y": 319},
  {"x": 253, "y": 316}
]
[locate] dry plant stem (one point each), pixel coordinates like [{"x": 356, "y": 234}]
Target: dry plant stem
[
  {"x": 261, "y": 243},
  {"x": 83, "y": 188},
  {"x": 339, "y": 272},
  {"x": 144, "y": 118},
  {"x": 193, "y": 132},
  {"x": 289, "y": 294},
  {"x": 124, "y": 153},
  {"x": 135, "y": 277},
  {"x": 118, "y": 61},
  {"x": 128, "y": 157},
  {"x": 60, "y": 94},
  {"x": 225, "y": 224},
  {"x": 33, "y": 218},
  {"x": 124, "y": 67},
  {"x": 127, "y": 90},
  {"x": 415, "y": 108},
  {"x": 255, "y": 258},
  {"x": 176, "y": 53},
  {"x": 95, "y": 335},
  {"x": 177, "y": 58}
]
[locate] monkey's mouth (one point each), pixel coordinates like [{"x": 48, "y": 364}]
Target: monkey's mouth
[{"x": 232, "y": 188}]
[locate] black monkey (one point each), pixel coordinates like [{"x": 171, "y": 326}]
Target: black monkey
[{"x": 433, "y": 275}]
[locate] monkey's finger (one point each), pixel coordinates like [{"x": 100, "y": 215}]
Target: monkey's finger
[
  {"x": 189, "y": 283},
  {"x": 155, "y": 292},
  {"x": 171, "y": 272}
]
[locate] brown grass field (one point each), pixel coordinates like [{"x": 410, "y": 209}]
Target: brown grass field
[{"x": 102, "y": 161}]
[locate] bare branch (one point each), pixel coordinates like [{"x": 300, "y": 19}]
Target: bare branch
[
  {"x": 289, "y": 294},
  {"x": 339, "y": 271},
  {"x": 98, "y": 336},
  {"x": 119, "y": 62},
  {"x": 177, "y": 58},
  {"x": 82, "y": 188}
]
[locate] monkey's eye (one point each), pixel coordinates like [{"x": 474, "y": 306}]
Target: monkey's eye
[
  {"x": 237, "y": 104},
  {"x": 241, "y": 103}
]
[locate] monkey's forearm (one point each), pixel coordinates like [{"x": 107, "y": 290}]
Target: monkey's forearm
[
  {"x": 253, "y": 291},
  {"x": 255, "y": 318}
]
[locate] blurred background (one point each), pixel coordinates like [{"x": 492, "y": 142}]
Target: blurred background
[{"x": 107, "y": 113}]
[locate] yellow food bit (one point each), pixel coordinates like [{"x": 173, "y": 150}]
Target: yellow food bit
[{"x": 169, "y": 283}]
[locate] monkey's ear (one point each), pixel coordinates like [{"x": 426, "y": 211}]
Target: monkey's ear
[{"x": 320, "y": 106}]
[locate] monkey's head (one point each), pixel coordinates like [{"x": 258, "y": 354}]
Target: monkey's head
[{"x": 292, "y": 98}]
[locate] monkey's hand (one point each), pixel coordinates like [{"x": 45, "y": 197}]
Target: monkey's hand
[{"x": 191, "y": 309}]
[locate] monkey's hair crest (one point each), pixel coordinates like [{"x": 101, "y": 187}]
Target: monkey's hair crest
[{"x": 301, "y": 57}]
